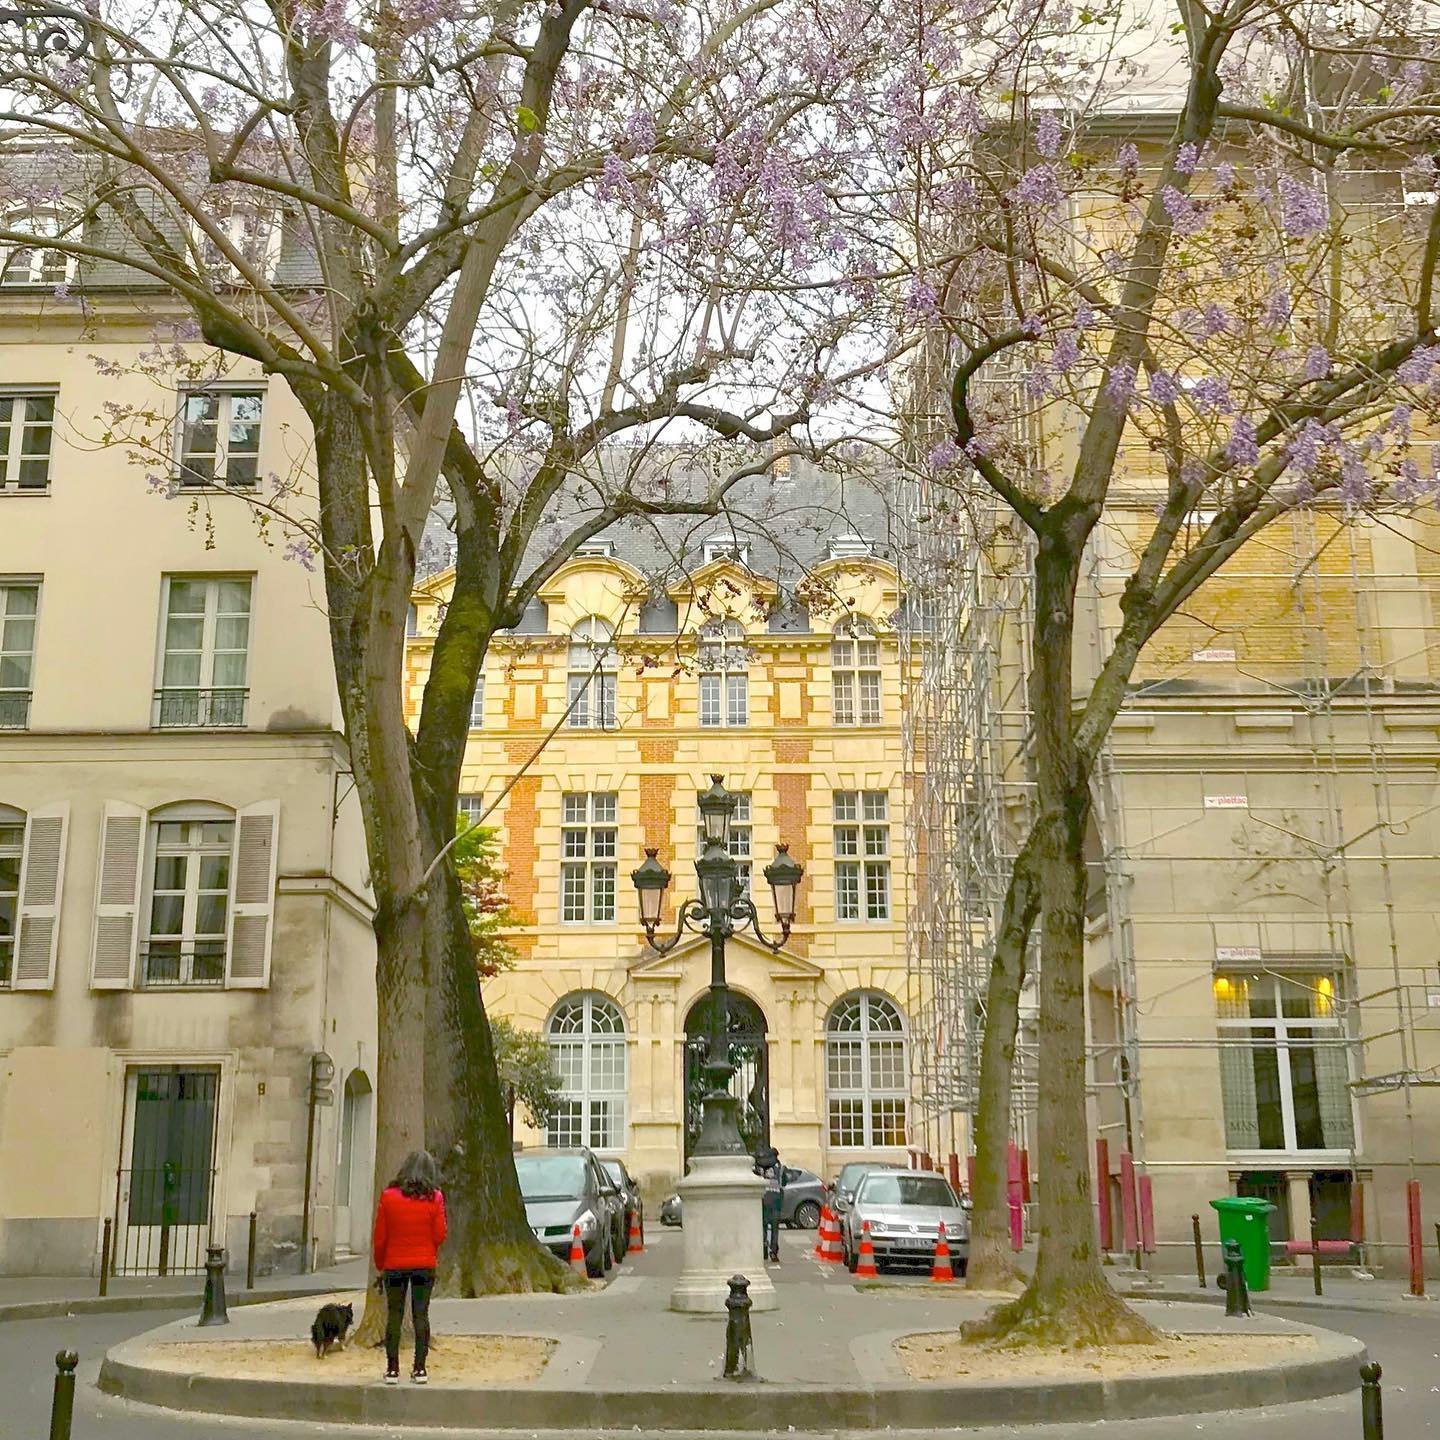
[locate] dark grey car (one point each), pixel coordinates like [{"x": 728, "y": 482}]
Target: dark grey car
[
  {"x": 565, "y": 1188},
  {"x": 631, "y": 1200},
  {"x": 799, "y": 1209}
]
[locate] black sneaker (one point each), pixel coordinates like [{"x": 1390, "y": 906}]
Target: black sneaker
[
  {"x": 419, "y": 1377},
  {"x": 392, "y": 1377}
]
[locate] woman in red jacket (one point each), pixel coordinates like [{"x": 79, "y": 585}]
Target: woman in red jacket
[{"x": 409, "y": 1230}]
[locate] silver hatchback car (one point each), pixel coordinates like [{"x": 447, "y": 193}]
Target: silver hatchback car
[{"x": 904, "y": 1209}]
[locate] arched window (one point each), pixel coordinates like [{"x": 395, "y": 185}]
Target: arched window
[
  {"x": 866, "y": 1074},
  {"x": 592, "y": 666},
  {"x": 855, "y": 674},
  {"x": 587, "y": 1040},
  {"x": 724, "y": 685},
  {"x": 12, "y": 851},
  {"x": 37, "y": 264}
]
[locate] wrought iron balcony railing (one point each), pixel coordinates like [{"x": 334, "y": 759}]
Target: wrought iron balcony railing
[{"x": 193, "y": 709}]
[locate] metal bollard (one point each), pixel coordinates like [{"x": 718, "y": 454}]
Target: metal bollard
[
  {"x": 1315, "y": 1255},
  {"x": 1237, "y": 1293},
  {"x": 739, "y": 1344},
  {"x": 107, "y": 1239},
  {"x": 1199, "y": 1250},
  {"x": 212, "y": 1307},
  {"x": 1372, "y": 1422},
  {"x": 62, "y": 1405},
  {"x": 250, "y": 1256}
]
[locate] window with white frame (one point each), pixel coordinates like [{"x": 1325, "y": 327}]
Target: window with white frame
[
  {"x": 220, "y": 437},
  {"x": 727, "y": 548},
  {"x": 866, "y": 1073},
  {"x": 855, "y": 674},
  {"x": 253, "y": 233},
  {"x": 188, "y": 904},
  {"x": 204, "y": 655},
  {"x": 472, "y": 807},
  {"x": 587, "y": 857},
  {"x": 593, "y": 662},
  {"x": 849, "y": 547},
  {"x": 27, "y": 424},
  {"x": 1284, "y": 1061},
  {"x": 724, "y": 684},
  {"x": 19, "y": 610},
  {"x": 37, "y": 264},
  {"x": 477, "y": 704},
  {"x": 587, "y": 1041},
  {"x": 862, "y": 855},
  {"x": 12, "y": 851},
  {"x": 741, "y": 845}
]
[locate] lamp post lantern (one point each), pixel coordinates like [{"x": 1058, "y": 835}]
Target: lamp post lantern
[{"x": 721, "y": 1193}]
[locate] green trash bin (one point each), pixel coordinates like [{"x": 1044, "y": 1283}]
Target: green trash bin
[{"x": 1246, "y": 1219}]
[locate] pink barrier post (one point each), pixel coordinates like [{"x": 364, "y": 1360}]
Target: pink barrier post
[
  {"x": 1147, "y": 1216},
  {"x": 970, "y": 1174},
  {"x": 1012, "y": 1188},
  {"x": 953, "y": 1165},
  {"x": 1102, "y": 1195},
  {"x": 1025, "y": 1176},
  {"x": 1127, "y": 1202},
  {"x": 1417, "y": 1244}
]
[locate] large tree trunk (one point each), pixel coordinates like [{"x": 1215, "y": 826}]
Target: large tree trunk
[
  {"x": 992, "y": 1262},
  {"x": 1068, "y": 1300}
]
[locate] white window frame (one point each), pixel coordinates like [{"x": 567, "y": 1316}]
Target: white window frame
[
  {"x": 472, "y": 807},
  {"x": 857, "y": 694},
  {"x": 587, "y": 1035},
  {"x": 854, "y": 1049},
  {"x": 864, "y": 891},
  {"x": 43, "y": 224},
  {"x": 15, "y": 699},
  {"x": 724, "y": 684},
  {"x": 220, "y": 479},
  {"x": 595, "y": 549},
  {"x": 11, "y": 818},
  {"x": 214, "y": 706},
  {"x": 589, "y": 856},
  {"x": 728, "y": 548},
  {"x": 591, "y": 685},
  {"x": 1240, "y": 1043},
  {"x": 232, "y": 222},
  {"x": 850, "y": 547},
  {"x": 17, "y": 428},
  {"x": 477, "y": 703},
  {"x": 194, "y": 850},
  {"x": 742, "y": 837}
]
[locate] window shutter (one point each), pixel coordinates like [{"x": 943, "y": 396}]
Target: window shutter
[
  {"x": 252, "y": 907},
  {"x": 42, "y": 880},
  {"x": 117, "y": 899}
]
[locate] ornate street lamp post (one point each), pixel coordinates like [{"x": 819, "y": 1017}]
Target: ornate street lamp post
[{"x": 721, "y": 1188}]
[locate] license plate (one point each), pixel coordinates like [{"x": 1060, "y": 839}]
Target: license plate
[{"x": 914, "y": 1242}]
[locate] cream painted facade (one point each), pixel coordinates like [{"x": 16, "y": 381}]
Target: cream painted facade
[
  {"x": 193, "y": 920},
  {"x": 791, "y": 759}
]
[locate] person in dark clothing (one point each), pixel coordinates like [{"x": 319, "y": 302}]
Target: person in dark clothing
[
  {"x": 409, "y": 1230},
  {"x": 769, "y": 1168}
]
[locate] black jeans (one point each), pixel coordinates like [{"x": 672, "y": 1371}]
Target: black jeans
[
  {"x": 421, "y": 1283},
  {"x": 770, "y": 1203}
]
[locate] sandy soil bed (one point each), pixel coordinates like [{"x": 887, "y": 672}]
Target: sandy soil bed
[
  {"x": 454, "y": 1360},
  {"x": 945, "y": 1356}
]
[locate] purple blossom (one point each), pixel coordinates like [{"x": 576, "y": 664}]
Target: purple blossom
[
  {"x": 302, "y": 552},
  {"x": 1066, "y": 353},
  {"x": 1242, "y": 448},
  {"x": 1317, "y": 363},
  {"x": 640, "y": 131},
  {"x": 1085, "y": 316},
  {"x": 1120, "y": 383},
  {"x": 1127, "y": 161},
  {"x": 943, "y": 455},
  {"x": 1187, "y": 159},
  {"x": 1032, "y": 326},
  {"x": 1038, "y": 186},
  {"x": 1164, "y": 389},
  {"x": 1308, "y": 444},
  {"x": 922, "y": 303},
  {"x": 1185, "y": 216},
  {"x": 1047, "y": 134},
  {"x": 1217, "y": 320},
  {"x": 1419, "y": 366},
  {"x": 1225, "y": 175},
  {"x": 1355, "y": 487},
  {"x": 1303, "y": 212},
  {"x": 614, "y": 183},
  {"x": 1210, "y": 395},
  {"x": 1278, "y": 305},
  {"x": 1400, "y": 420}
]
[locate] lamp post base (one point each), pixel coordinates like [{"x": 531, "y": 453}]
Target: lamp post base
[{"x": 722, "y": 1235}]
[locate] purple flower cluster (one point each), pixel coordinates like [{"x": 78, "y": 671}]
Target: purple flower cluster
[
  {"x": 1120, "y": 383},
  {"x": 1242, "y": 448},
  {"x": 1186, "y": 216},
  {"x": 1210, "y": 395},
  {"x": 1047, "y": 134},
  {"x": 1303, "y": 212},
  {"x": 943, "y": 455},
  {"x": 1164, "y": 388},
  {"x": 1039, "y": 186},
  {"x": 1317, "y": 363}
]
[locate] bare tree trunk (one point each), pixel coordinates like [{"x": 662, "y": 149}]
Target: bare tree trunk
[
  {"x": 992, "y": 1264},
  {"x": 1068, "y": 1301}
]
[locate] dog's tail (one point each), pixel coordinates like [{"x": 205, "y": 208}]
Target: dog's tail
[{"x": 317, "y": 1334}]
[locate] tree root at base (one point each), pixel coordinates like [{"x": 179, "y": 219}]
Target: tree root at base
[{"x": 1078, "y": 1317}]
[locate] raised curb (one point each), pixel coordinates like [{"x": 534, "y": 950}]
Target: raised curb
[
  {"x": 762, "y": 1407},
  {"x": 120, "y": 1304},
  {"x": 1268, "y": 1299}
]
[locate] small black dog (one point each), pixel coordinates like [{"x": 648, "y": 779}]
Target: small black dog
[{"x": 332, "y": 1324}]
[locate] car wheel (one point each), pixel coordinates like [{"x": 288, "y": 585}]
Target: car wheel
[
  {"x": 852, "y": 1260},
  {"x": 609, "y": 1251},
  {"x": 622, "y": 1241},
  {"x": 598, "y": 1263},
  {"x": 807, "y": 1216},
  {"x": 962, "y": 1268}
]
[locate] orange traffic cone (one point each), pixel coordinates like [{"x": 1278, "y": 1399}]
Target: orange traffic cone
[
  {"x": 829, "y": 1249},
  {"x": 637, "y": 1235},
  {"x": 822, "y": 1235},
  {"x": 577, "y": 1253},
  {"x": 865, "y": 1266},
  {"x": 941, "y": 1271}
]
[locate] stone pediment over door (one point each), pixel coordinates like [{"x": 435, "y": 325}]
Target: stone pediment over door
[{"x": 749, "y": 967}]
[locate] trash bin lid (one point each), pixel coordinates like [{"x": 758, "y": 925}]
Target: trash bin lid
[{"x": 1242, "y": 1205}]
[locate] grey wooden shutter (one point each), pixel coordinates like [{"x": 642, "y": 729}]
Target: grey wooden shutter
[
  {"x": 42, "y": 883},
  {"x": 117, "y": 897},
  {"x": 252, "y": 903}
]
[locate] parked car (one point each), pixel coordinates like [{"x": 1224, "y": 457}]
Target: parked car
[
  {"x": 843, "y": 1190},
  {"x": 800, "y": 1209},
  {"x": 632, "y": 1201},
  {"x": 904, "y": 1209},
  {"x": 565, "y": 1188}
]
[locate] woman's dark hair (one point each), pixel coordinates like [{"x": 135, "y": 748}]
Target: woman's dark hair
[{"x": 419, "y": 1176}]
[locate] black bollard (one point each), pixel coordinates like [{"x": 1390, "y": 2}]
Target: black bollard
[
  {"x": 1372, "y": 1422},
  {"x": 107, "y": 1239},
  {"x": 250, "y": 1256},
  {"x": 739, "y": 1344},
  {"x": 62, "y": 1406},
  {"x": 1199, "y": 1251},
  {"x": 212, "y": 1307},
  {"x": 1237, "y": 1293},
  {"x": 1315, "y": 1255}
]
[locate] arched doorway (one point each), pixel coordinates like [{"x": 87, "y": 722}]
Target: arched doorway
[
  {"x": 750, "y": 1056},
  {"x": 354, "y": 1177}
]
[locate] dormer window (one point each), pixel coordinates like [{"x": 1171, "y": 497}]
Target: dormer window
[
  {"x": 604, "y": 549},
  {"x": 850, "y": 547},
  {"x": 253, "y": 233},
  {"x": 727, "y": 548},
  {"x": 37, "y": 264}
]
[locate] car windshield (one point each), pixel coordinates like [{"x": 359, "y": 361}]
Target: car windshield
[
  {"x": 550, "y": 1177},
  {"x": 615, "y": 1170},
  {"x": 906, "y": 1190}
]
